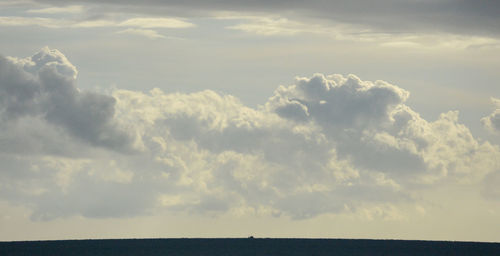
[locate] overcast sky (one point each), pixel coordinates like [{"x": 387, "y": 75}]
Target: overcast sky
[{"x": 342, "y": 119}]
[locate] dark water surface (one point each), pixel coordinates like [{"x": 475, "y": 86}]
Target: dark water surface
[{"x": 246, "y": 246}]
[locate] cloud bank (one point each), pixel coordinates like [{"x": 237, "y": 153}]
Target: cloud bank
[{"x": 327, "y": 144}]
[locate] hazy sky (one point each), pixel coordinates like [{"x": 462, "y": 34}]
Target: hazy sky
[{"x": 342, "y": 119}]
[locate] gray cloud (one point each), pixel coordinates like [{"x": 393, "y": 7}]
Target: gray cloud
[
  {"x": 337, "y": 102},
  {"x": 327, "y": 144},
  {"x": 43, "y": 86},
  {"x": 457, "y": 17}
]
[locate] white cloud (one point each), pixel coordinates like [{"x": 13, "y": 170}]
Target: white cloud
[
  {"x": 134, "y": 25},
  {"x": 462, "y": 17},
  {"x": 71, "y": 9},
  {"x": 149, "y": 33},
  {"x": 32, "y": 21},
  {"x": 95, "y": 24},
  {"x": 283, "y": 26},
  {"x": 156, "y": 23},
  {"x": 492, "y": 122},
  {"x": 370, "y": 124},
  {"x": 269, "y": 26},
  {"x": 324, "y": 145}
]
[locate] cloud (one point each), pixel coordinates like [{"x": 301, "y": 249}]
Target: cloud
[
  {"x": 72, "y": 9},
  {"x": 133, "y": 24},
  {"x": 268, "y": 26},
  {"x": 32, "y": 21},
  {"x": 275, "y": 25},
  {"x": 387, "y": 16},
  {"x": 327, "y": 144},
  {"x": 369, "y": 124},
  {"x": 149, "y": 33},
  {"x": 492, "y": 122},
  {"x": 344, "y": 21},
  {"x": 43, "y": 87},
  {"x": 94, "y": 24},
  {"x": 272, "y": 25},
  {"x": 156, "y": 23}
]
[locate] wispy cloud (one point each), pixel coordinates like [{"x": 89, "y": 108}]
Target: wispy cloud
[
  {"x": 134, "y": 26},
  {"x": 72, "y": 9},
  {"x": 269, "y": 27},
  {"x": 281, "y": 26},
  {"x": 442, "y": 16},
  {"x": 156, "y": 23},
  {"x": 149, "y": 33},
  {"x": 95, "y": 24},
  {"x": 10, "y": 3},
  {"x": 34, "y": 21},
  {"x": 61, "y": 22}
]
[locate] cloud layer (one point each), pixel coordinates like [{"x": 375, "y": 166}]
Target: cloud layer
[
  {"x": 456, "y": 17},
  {"x": 326, "y": 144},
  {"x": 142, "y": 26},
  {"x": 409, "y": 24},
  {"x": 492, "y": 122}
]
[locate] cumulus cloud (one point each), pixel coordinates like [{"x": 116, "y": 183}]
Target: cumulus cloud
[
  {"x": 492, "y": 122},
  {"x": 326, "y": 144},
  {"x": 43, "y": 87},
  {"x": 369, "y": 123}
]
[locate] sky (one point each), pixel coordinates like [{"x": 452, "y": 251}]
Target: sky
[{"x": 216, "y": 118}]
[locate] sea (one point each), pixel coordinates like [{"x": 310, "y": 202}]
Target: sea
[{"x": 246, "y": 246}]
